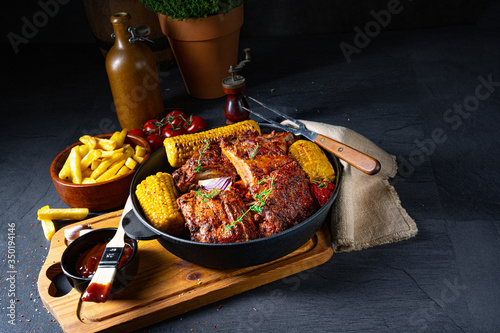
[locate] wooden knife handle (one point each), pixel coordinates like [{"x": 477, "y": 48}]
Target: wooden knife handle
[{"x": 357, "y": 159}]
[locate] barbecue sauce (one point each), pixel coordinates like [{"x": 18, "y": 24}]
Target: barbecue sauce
[
  {"x": 87, "y": 264},
  {"x": 97, "y": 292}
]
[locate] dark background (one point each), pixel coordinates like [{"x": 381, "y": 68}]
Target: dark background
[
  {"x": 395, "y": 92},
  {"x": 271, "y": 18}
]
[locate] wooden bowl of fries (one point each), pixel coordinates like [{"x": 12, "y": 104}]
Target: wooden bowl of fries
[{"x": 98, "y": 196}]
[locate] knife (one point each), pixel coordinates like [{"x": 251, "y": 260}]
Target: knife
[{"x": 357, "y": 159}]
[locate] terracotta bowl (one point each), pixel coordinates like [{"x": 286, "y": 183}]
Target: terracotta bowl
[{"x": 99, "y": 196}]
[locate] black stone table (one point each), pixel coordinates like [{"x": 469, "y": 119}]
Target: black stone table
[{"x": 430, "y": 97}]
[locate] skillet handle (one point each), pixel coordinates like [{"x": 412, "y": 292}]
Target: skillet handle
[
  {"x": 135, "y": 229},
  {"x": 357, "y": 159}
]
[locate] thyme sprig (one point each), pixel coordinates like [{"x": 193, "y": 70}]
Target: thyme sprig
[
  {"x": 252, "y": 154},
  {"x": 198, "y": 168},
  {"x": 260, "y": 200},
  {"x": 205, "y": 196}
]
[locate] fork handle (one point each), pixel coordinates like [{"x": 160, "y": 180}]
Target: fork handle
[{"x": 357, "y": 159}]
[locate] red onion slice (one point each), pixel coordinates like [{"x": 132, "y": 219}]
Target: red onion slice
[{"x": 221, "y": 183}]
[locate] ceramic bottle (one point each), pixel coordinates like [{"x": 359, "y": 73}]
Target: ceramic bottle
[{"x": 133, "y": 77}]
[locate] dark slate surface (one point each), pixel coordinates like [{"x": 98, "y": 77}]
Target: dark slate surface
[{"x": 396, "y": 91}]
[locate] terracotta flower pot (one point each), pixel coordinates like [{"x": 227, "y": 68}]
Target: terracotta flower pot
[{"x": 204, "y": 49}]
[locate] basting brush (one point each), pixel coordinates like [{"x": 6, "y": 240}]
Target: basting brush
[{"x": 100, "y": 286}]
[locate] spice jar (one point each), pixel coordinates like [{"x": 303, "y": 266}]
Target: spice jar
[{"x": 133, "y": 77}]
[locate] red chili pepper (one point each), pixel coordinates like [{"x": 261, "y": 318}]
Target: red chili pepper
[{"x": 322, "y": 191}]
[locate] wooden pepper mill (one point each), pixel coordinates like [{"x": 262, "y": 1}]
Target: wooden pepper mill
[
  {"x": 132, "y": 74},
  {"x": 233, "y": 86}
]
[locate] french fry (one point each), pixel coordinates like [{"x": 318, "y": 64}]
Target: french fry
[
  {"x": 114, "y": 137},
  {"x": 119, "y": 137},
  {"x": 109, "y": 153},
  {"x": 123, "y": 170},
  {"x": 83, "y": 150},
  {"x": 95, "y": 163},
  {"x": 90, "y": 157},
  {"x": 88, "y": 180},
  {"x": 49, "y": 229},
  {"x": 140, "y": 151},
  {"x": 129, "y": 152},
  {"x": 131, "y": 163},
  {"x": 75, "y": 165},
  {"x": 105, "y": 164},
  {"x": 47, "y": 213},
  {"x": 89, "y": 141},
  {"x": 65, "y": 173},
  {"x": 138, "y": 159},
  {"x": 97, "y": 155},
  {"x": 105, "y": 144},
  {"x": 112, "y": 170},
  {"x": 86, "y": 174}
]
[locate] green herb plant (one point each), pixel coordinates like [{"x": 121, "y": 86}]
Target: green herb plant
[{"x": 185, "y": 9}]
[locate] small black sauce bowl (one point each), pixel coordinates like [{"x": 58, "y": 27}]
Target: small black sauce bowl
[{"x": 75, "y": 249}]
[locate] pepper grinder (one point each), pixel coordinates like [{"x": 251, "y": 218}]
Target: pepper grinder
[{"x": 233, "y": 86}]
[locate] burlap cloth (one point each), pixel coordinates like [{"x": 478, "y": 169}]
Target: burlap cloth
[{"x": 367, "y": 211}]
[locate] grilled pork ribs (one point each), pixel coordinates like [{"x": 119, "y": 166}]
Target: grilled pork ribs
[{"x": 270, "y": 191}]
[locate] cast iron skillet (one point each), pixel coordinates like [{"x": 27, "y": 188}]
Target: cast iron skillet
[{"x": 226, "y": 255}]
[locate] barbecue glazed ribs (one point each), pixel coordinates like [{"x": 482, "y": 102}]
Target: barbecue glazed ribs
[
  {"x": 211, "y": 164},
  {"x": 290, "y": 201},
  {"x": 256, "y": 156},
  {"x": 270, "y": 191},
  {"x": 217, "y": 216}
]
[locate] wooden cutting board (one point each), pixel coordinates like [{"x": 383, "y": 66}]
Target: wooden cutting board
[{"x": 165, "y": 285}]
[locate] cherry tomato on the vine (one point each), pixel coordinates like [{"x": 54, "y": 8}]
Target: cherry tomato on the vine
[
  {"x": 149, "y": 125},
  {"x": 155, "y": 141},
  {"x": 152, "y": 126},
  {"x": 137, "y": 131},
  {"x": 170, "y": 131},
  {"x": 195, "y": 124},
  {"x": 176, "y": 118}
]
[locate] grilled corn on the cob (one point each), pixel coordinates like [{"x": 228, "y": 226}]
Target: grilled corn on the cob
[
  {"x": 313, "y": 160},
  {"x": 180, "y": 148},
  {"x": 157, "y": 196}
]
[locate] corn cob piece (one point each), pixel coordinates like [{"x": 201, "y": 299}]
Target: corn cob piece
[
  {"x": 157, "y": 196},
  {"x": 313, "y": 160},
  {"x": 180, "y": 148}
]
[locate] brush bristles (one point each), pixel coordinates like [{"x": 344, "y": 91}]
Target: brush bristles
[
  {"x": 100, "y": 286},
  {"x": 104, "y": 275}
]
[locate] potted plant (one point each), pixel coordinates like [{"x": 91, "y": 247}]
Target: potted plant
[{"x": 204, "y": 37}]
